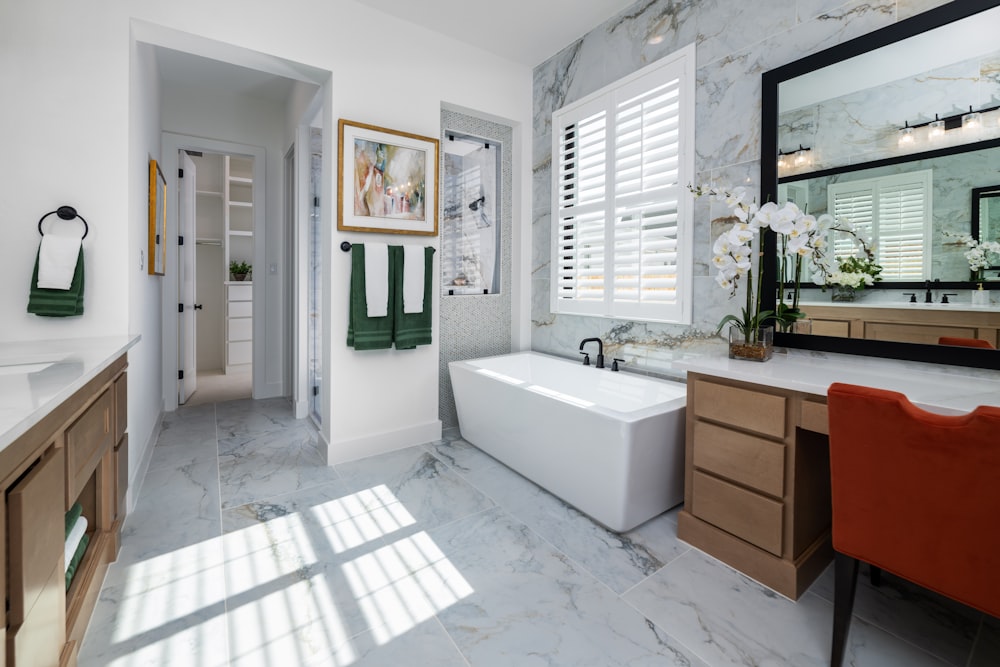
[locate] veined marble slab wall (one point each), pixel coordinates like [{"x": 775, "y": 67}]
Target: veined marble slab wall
[
  {"x": 736, "y": 42},
  {"x": 864, "y": 125}
]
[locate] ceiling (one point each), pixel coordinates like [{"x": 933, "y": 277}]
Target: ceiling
[{"x": 525, "y": 31}]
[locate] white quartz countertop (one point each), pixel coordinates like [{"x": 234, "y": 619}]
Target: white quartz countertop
[
  {"x": 36, "y": 376},
  {"x": 939, "y": 388}
]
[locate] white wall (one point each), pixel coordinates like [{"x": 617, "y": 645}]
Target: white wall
[
  {"x": 144, "y": 305},
  {"x": 68, "y": 64}
]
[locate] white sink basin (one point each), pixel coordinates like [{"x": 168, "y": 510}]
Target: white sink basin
[{"x": 24, "y": 368}]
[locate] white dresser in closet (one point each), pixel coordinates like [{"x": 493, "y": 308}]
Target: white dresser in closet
[{"x": 239, "y": 326}]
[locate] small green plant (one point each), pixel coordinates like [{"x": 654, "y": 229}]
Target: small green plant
[{"x": 239, "y": 267}]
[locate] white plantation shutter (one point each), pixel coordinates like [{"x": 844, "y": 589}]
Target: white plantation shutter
[
  {"x": 623, "y": 156},
  {"x": 895, "y": 211}
]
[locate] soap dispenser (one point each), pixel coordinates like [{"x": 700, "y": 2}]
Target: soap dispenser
[{"x": 980, "y": 297}]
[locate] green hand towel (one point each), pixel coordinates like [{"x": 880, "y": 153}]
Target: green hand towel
[
  {"x": 71, "y": 516},
  {"x": 75, "y": 562},
  {"x": 411, "y": 329},
  {"x": 363, "y": 332},
  {"x": 57, "y": 302}
]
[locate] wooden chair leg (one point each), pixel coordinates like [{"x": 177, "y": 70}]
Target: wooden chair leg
[
  {"x": 875, "y": 575},
  {"x": 845, "y": 582}
]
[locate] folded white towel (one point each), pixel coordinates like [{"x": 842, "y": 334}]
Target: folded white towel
[
  {"x": 413, "y": 279},
  {"x": 57, "y": 261},
  {"x": 377, "y": 279},
  {"x": 73, "y": 541}
]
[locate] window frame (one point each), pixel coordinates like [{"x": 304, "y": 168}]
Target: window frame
[{"x": 679, "y": 66}]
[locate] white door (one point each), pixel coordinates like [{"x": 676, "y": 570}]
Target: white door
[{"x": 187, "y": 331}]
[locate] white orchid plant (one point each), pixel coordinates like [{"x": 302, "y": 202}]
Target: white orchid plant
[
  {"x": 737, "y": 253},
  {"x": 978, "y": 252}
]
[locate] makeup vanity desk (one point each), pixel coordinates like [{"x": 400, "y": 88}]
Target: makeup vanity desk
[
  {"x": 757, "y": 468},
  {"x": 63, "y": 440}
]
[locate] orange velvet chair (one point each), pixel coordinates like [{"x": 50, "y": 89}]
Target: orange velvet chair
[
  {"x": 916, "y": 494},
  {"x": 965, "y": 342}
]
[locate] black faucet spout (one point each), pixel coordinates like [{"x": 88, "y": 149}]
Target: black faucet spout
[{"x": 600, "y": 349}]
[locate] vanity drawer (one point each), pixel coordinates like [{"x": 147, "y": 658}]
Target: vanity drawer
[
  {"x": 743, "y": 458},
  {"x": 743, "y": 513},
  {"x": 813, "y": 417},
  {"x": 86, "y": 441},
  {"x": 750, "y": 410},
  {"x": 36, "y": 533}
]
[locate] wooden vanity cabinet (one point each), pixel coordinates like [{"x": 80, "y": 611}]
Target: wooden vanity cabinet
[
  {"x": 70, "y": 456},
  {"x": 757, "y": 480},
  {"x": 905, "y": 325}
]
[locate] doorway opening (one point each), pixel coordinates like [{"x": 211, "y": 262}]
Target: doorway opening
[{"x": 223, "y": 292}]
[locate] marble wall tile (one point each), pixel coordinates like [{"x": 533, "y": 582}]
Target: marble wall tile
[{"x": 908, "y": 8}]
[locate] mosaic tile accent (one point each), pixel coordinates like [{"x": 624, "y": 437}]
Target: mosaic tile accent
[{"x": 478, "y": 325}]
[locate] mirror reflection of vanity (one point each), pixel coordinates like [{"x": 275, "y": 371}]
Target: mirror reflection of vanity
[{"x": 897, "y": 132}]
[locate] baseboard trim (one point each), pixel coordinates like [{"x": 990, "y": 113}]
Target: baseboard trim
[{"x": 351, "y": 449}]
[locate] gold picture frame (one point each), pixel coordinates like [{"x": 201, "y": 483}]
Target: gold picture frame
[
  {"x": 157, "y": 262},
  {"x": 388, "y": 181}
]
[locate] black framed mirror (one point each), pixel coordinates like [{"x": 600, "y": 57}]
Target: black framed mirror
[{"x": 895, "y": 111}]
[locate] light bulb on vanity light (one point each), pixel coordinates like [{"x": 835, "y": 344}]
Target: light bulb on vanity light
[
  {"x": 935, "y": 129},
  {"x": 802, "y": 157},
  {"x": 906, "y": 137},
  {"x": 782, "y": 160},
  {"x": 972, "y": 121}
]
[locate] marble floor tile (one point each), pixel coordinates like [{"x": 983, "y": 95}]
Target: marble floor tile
[
  {"x": 424, "y": 486},
  {"x": 239, "y": 418},
  {"x": 729, "y": 619},
  {"x": 258, "y": 466},
  {"x": 520, "y": 601},
  {"x": 620, "y": 561},
  {"x": 162, "y": 610},
  {"x": 937, "y": 624},
  {"x": 176, "y": 508},
  {"x": 245, "y": 548},
  {"x": 193, "y": 449}
]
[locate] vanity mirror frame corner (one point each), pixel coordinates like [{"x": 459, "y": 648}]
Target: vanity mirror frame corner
[{"x": 770, "y": 80}]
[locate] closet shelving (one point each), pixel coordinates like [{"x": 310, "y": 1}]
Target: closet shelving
[{"x": 238, "y": 230}]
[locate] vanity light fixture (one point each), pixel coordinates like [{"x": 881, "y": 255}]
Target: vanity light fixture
[
  {"x": 782, "y": 160},
  {"x": 799, "y": 157},
  {"x": 906, "y": 137}
]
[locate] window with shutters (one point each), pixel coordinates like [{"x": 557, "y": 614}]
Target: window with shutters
[
  {"x": 622, "y": 158},
  {"x": 895, "y": 213}
]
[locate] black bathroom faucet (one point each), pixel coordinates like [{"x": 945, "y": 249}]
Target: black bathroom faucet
[
  {"x": 600, "y": 350},
  {"x": 929, "y": 296}
]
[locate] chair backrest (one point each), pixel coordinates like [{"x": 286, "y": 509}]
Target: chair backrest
[
  {"x": 918, "y": 493},
  {"x": 965, "y": 342}
]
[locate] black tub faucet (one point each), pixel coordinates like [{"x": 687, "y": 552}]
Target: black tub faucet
[{"x": 600, "y": 350}]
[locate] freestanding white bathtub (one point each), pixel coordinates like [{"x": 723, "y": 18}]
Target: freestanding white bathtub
[{"x": 610, "y": 444}]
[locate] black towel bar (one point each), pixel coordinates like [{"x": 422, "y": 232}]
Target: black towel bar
[{"x": 66, "y": 213}]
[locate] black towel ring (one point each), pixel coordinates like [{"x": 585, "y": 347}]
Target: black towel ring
[{"x": 66, "y": 213}]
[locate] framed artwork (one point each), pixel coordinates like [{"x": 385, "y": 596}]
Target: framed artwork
[
  {"x": 157, "y": 261},
  {"x": 388, "y": 181}
]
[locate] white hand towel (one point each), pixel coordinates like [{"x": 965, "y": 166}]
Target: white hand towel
[
  {"x": 73, "y": 541},
  {"x": 377, "y": 279},
  {"x": 57, "y": 261},
  {"x": 413, "y": 279}
]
